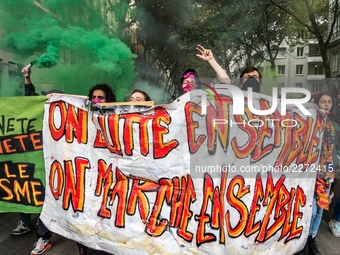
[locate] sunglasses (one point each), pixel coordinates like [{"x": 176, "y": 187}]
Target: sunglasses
[{"x": 99, "y": 97}]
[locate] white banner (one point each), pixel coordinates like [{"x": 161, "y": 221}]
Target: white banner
[{"x": 178, "y": 180}]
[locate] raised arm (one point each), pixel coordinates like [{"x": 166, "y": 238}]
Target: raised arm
[
  {"x": 208, "y": 56},
  {"x": 29, "y": 87}
]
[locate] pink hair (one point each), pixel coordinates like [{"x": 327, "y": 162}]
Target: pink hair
[{"x": 189, "y": 75}]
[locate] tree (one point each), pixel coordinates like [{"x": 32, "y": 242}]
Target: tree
[
  {"x": 318, "y": 18},
  {"x": 158, "y": 40},
  {"x": 240, "y": 32}
]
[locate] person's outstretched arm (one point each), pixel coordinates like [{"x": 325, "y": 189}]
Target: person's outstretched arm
[
  {"x": 208, "y": 56},
  {"x": 29, "y": 87}
]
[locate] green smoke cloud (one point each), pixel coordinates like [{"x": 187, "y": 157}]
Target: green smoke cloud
[{"x": 75, "y": 56}]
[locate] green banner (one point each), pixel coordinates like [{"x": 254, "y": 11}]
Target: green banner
[{"x": 22, "y": 174}]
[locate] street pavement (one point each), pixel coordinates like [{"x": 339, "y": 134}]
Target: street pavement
[{"x": 22, "y": 245}]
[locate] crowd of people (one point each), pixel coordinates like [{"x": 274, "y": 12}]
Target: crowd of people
[{"x": 189, "y": 80}]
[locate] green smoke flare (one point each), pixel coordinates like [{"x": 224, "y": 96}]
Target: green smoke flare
[{"x": 72, "y": 56}]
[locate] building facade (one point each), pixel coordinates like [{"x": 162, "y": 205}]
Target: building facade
[
  {"x": 300, "y": 67},
  {"x": 334, "y": 50}
]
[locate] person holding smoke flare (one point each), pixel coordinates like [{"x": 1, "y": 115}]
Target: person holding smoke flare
[
  {"x": 25, "y": 218},
  {"x": 43, "y": 234}
]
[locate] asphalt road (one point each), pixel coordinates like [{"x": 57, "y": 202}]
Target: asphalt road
[{"x": 22, "y": 245}]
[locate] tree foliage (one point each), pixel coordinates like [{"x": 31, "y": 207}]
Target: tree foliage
[
  {"x": 239, "y": 32},
  {"x": 317, "y": 17}
]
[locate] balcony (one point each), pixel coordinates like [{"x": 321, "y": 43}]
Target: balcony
[
  {"x": 315, "y": 77},
  {"x": 314, "y": 59}
]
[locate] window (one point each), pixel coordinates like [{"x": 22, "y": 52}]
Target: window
[
  {"x": 281, "y": 69},
  {"x": 336, "y": 32},
  {"x": 314, "y": 50},
  {"x": 299, "y": 51},
  {"x": 299, "y": 69},
  {"x": 316, "y": 87},
  {"x": 301, "y": 34},
  {"x": 281, "y": 53},
  {"x": 12, "y": 68},
  {"x": 315, "y": 68},
  {"x": 298, "y": 85}
]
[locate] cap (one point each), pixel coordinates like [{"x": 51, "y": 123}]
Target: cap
[{"x": 51, "y": 91}]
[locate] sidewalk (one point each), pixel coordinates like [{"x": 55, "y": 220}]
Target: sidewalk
[{"x": 328, "y": 244}]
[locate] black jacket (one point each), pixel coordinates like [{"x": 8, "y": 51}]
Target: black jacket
[{"x": 30, "y": 90}]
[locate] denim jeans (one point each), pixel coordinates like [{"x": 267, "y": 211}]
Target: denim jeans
[
  {"x": 316, "y": 219},
  {"x": 336, "y": 213}
]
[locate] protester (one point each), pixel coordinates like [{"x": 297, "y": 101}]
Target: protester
[
  {"x": 100, "y": 93},
  {"x": 43, "y": 234},
  {"x": 104, "y": 93},
  {"x": 189, "y": 79},
  {"x": 138, "y": 95},
  {"x": 25, "y": 218},
  {"x": 251, "y": 77},
  {"x": 327, "y": 163}
]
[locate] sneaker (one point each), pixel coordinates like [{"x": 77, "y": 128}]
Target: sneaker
[
  {"x": 41, "y": 246},
  {"x": 21, "y": 229},
  {"x": 335, "y": 227}
]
